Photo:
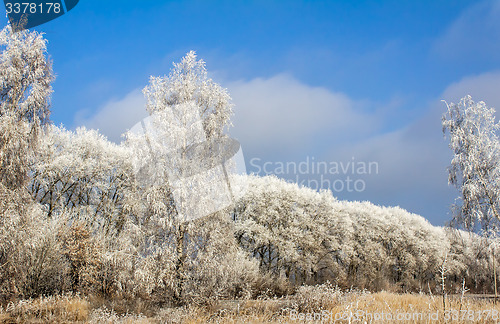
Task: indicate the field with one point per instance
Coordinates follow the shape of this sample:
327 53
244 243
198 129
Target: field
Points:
310 305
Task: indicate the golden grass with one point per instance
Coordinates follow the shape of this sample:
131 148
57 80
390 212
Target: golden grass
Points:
384 307
55 309
360 307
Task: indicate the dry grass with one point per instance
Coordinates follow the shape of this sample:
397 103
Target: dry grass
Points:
54 309
384 307
357 306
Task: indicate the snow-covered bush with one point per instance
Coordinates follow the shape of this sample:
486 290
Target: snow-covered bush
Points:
32 262
218 267
314 299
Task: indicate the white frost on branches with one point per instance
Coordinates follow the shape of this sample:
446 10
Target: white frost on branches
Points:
308 236
475 167
25 89
81 173
92 225
188 81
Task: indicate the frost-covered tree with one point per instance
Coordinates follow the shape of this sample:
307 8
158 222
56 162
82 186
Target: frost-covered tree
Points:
187 110
29 261
25 89
177 155
391 246
311 237
469 258
86 184
84 174
289 229
475 167
188 81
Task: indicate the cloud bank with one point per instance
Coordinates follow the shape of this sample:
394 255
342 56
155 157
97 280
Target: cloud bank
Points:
117 116
280 116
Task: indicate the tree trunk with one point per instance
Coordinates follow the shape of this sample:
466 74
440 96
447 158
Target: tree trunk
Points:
179 267
495 274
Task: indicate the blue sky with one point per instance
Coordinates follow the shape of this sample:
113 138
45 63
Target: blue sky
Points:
331 80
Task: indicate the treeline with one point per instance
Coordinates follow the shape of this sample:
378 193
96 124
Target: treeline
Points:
309 238
92 228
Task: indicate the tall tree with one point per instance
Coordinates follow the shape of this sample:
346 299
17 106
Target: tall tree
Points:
187 109
27 242
25 89
475 167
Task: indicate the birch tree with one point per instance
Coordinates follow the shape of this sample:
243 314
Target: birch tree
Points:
28 259
475 167
188 81
25 89
177 151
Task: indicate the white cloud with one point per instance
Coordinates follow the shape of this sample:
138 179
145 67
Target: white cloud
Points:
283 115
117 116
275 114
484 87
412 167
475 34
